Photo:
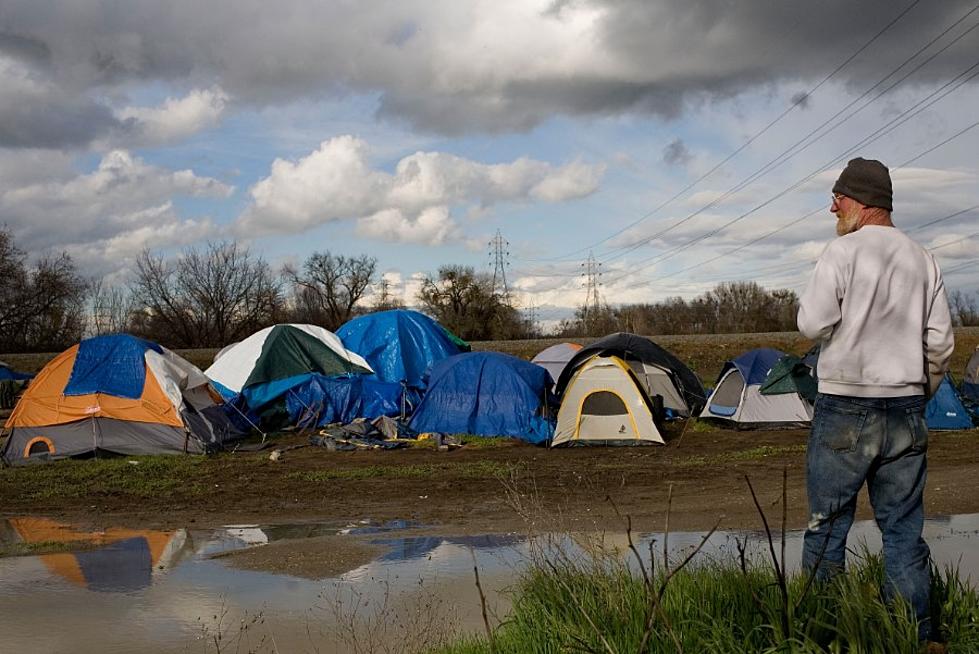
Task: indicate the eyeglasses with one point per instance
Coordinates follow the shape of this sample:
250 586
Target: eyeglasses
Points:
837 197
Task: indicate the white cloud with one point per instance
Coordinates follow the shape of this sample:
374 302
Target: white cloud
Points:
105 216
414 204
175 119
433 226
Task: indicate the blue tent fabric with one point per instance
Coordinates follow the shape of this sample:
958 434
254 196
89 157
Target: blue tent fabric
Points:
486 394
8 374
755 364
326 400
112 364
400 345
945 409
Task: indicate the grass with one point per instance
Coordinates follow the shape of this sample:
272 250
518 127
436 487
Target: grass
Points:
602 605
752 454
474 470
151 476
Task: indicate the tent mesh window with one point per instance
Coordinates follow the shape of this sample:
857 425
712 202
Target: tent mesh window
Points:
38 447
728 394
603 403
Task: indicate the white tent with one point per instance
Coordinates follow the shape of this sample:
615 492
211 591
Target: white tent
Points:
605 404
555 358
738 398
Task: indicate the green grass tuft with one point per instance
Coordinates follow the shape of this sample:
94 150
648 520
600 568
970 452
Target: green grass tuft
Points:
151 476
752 454
602 605
474 470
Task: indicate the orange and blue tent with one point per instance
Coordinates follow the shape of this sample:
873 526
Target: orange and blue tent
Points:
117 394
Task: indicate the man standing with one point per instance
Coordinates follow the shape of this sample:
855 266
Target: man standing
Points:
876 302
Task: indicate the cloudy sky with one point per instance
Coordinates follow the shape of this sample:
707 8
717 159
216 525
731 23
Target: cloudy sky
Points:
681 142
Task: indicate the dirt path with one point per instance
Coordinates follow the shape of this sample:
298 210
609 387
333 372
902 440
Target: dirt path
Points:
498 489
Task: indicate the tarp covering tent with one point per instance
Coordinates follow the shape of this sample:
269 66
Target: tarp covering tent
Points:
737 396
790 374
660 372
9 374
270 362
487 394
400 345
108 560
118 394
323 400
970 383
556 357
11 383
604 404
945 410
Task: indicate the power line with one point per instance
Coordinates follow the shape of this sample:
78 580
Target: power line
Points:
752 139
788 153
870 139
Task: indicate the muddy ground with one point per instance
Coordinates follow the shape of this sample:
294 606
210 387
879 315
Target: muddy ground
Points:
511 488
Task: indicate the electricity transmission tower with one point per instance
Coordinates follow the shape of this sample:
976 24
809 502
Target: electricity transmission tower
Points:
592 273
501 261
532 316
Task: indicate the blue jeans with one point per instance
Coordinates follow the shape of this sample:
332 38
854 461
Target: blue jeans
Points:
882 441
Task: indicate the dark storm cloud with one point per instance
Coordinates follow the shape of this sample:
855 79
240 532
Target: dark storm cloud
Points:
38 114
453 68
30 50
676 153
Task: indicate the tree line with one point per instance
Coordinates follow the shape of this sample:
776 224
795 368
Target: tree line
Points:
219 293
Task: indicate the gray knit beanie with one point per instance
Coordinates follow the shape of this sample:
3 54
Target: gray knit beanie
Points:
868 182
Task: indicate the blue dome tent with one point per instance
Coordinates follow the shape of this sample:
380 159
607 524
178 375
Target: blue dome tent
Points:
400 345
487 394
945 409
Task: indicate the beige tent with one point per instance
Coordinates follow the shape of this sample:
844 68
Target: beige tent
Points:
605 404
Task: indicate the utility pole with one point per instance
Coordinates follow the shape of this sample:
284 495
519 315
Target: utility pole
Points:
500 254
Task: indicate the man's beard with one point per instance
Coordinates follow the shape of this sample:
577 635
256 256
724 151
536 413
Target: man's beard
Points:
847 223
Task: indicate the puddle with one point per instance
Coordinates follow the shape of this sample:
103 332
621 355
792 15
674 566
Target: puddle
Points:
129 590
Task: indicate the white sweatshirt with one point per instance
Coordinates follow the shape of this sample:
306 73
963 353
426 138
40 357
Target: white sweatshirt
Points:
877 302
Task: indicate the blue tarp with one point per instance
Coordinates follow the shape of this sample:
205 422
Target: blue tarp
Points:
114 365
755 364
487 394
7 374
400 345
945 410
323 400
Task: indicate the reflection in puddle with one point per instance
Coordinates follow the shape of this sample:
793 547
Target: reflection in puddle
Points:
151 591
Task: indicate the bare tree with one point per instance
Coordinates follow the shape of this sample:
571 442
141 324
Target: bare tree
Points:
41 304
963 307
205 297
112 309
329 287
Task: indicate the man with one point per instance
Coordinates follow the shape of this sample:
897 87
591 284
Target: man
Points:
877 304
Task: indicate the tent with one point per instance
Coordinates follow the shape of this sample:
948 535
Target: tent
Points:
9 374
400 345
658 370
604 404
118 394
556 357
970 384
737 397
108 560
487 394
11 383
270 362
320 400
945 410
